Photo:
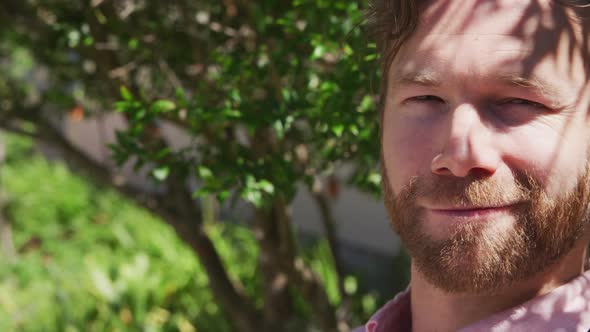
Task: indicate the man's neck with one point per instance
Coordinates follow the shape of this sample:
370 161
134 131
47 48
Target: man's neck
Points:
436 310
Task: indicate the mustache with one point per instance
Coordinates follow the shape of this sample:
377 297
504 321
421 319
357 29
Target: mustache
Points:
471 190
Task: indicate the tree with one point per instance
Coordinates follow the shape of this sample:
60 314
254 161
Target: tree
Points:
7 249
274 93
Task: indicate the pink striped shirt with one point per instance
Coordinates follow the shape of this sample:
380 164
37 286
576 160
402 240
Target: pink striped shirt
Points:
566 308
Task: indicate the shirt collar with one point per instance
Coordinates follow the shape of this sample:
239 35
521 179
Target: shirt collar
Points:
567 304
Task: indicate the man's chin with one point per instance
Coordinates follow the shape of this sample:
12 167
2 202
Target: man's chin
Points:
465 272
466 256
444 229
462 277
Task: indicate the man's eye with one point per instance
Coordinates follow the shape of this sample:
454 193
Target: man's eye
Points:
523 102
426 98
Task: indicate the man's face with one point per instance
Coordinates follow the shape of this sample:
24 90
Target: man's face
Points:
485 141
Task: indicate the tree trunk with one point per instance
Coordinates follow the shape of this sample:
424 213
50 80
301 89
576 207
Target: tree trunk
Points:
187 224
281 257
6 244
277 299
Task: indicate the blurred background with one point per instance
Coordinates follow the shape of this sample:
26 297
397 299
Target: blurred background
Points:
191 166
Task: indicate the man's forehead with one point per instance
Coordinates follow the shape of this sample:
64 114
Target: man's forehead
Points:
520 38
524 19
452 15
469 20
490 53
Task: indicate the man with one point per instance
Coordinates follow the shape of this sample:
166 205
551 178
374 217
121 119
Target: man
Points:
485 147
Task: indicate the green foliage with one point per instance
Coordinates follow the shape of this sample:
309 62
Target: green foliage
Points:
279 91
91 261
302 92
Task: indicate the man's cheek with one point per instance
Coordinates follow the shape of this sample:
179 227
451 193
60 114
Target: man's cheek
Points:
556 161
405 161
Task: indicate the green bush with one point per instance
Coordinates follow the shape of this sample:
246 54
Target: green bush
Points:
91 261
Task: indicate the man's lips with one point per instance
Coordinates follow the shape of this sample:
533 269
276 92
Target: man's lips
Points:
462 212
469 213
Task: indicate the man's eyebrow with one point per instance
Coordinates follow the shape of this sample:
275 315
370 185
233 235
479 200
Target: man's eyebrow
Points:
430 78
424 78
536 83
539 86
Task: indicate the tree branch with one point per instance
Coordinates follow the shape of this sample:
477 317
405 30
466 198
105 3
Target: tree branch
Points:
11 128
329 224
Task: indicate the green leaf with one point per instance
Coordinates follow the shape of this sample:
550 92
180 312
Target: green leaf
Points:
348 50
163 153
369 303
201 192
230 113
73 38
279 129
204 172
366 104
161 173
266 186
133 43
126 94
287 94
253 196
163 106
121 106
374 178
371 57
318 52
350 285
88 41
338 129
222 196
253 190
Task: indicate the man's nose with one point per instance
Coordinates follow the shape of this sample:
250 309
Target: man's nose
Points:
467 145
